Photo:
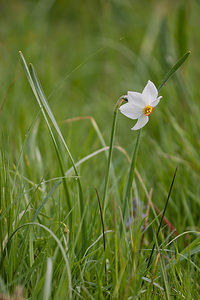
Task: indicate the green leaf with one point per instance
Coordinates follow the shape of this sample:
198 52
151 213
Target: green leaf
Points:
174 69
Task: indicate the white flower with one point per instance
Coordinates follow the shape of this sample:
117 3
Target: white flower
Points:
141 105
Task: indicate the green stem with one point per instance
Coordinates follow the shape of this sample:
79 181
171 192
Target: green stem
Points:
110 151
131 176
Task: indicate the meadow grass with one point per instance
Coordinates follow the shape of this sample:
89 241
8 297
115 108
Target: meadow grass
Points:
70 165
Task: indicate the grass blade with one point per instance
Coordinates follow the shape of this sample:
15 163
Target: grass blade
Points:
110 151
58 243
169 194
131 176
40 97
174 69
102 223
48 279
51 116
49 128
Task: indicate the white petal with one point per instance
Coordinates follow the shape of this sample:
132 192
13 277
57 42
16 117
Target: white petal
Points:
136 98
130 110
141 122
155 102
149 93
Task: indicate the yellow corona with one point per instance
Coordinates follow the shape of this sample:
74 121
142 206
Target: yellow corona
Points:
148 110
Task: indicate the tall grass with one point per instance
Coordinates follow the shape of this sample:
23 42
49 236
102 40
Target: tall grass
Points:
69 164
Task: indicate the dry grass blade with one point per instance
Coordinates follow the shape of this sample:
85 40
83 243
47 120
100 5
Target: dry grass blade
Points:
18 295
166 221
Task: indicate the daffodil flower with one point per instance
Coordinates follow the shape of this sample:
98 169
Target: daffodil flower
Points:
140 105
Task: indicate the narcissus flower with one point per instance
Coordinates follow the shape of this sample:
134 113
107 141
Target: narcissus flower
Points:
140 105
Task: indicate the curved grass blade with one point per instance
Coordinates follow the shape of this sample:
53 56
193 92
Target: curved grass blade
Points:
57 241
50 130
67 173
51 116
100 136
43 104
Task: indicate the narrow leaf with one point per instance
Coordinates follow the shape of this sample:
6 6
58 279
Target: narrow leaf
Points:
174 69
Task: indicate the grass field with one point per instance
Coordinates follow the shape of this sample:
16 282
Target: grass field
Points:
77 219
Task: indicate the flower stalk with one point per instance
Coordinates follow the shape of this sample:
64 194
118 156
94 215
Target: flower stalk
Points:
131 176
119 102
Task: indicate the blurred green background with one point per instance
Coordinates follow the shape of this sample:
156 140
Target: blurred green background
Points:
89 53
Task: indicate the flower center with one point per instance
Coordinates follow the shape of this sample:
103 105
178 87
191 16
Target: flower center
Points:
148 110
